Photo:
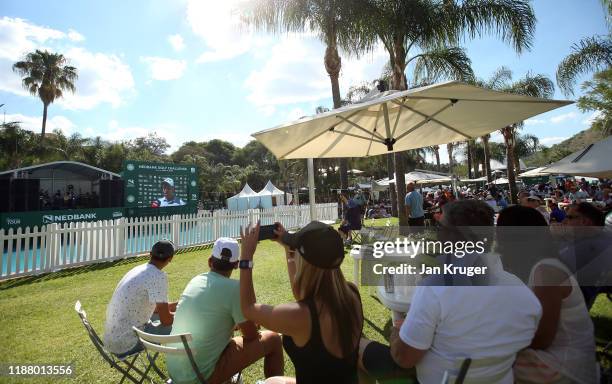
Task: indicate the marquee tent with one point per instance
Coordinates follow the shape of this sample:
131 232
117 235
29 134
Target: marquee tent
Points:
270 196
246 199
536 172
593 161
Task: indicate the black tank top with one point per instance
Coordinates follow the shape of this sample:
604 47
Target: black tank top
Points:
313 362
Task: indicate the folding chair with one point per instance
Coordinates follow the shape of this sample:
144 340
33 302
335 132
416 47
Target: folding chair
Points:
126 365
156 344
459 374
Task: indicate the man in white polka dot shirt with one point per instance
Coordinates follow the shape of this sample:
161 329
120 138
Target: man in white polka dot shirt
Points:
140 300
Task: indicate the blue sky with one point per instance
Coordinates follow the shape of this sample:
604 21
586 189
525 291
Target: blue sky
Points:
187 70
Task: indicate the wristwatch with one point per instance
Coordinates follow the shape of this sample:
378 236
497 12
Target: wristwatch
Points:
245 264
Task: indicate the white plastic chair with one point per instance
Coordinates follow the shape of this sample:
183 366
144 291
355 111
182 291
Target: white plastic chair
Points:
157 344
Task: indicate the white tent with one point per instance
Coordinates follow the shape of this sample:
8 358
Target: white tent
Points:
503 180
594 161
270 196
418 177
499 166
246 199
536 172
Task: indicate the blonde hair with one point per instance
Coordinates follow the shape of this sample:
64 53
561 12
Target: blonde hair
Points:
331 290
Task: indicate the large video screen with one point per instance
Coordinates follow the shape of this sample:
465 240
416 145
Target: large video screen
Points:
160 185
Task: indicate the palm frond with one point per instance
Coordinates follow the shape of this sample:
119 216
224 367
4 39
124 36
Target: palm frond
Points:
590 54
442 63
511 20
499 79
533 85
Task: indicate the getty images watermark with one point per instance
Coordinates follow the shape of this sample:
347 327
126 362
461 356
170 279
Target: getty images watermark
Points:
410 249
481 255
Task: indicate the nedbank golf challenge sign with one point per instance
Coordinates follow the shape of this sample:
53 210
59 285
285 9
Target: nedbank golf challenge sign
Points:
159 188
31 219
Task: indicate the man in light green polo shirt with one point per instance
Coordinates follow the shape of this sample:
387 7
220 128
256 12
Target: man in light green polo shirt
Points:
209 309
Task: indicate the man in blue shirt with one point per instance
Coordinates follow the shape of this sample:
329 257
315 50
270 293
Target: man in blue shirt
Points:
414 206
556 215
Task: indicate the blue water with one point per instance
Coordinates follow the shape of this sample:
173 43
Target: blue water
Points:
135 243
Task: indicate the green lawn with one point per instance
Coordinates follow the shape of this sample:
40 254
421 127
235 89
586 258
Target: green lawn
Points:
38 323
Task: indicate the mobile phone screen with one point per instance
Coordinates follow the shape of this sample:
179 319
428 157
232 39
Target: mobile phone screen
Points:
266 232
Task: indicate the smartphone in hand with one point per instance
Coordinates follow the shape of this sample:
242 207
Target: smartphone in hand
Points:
266 232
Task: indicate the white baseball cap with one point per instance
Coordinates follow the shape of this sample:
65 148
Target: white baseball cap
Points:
226 249
168 181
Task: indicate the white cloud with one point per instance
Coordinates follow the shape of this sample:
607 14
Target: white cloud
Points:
34 123
75 36
561 118
294 73
534 121
548 141
218 24
177 42
162 68
103 78
18 37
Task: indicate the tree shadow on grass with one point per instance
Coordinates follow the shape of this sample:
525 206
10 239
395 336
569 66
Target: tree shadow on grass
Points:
69 272
385 331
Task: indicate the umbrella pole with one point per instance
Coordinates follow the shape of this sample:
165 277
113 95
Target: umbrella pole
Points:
311 189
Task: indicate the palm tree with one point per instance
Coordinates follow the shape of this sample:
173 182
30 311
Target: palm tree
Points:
588 55
331 19
498 81
434 150
531 85
46 74
451 160
487 156
434 28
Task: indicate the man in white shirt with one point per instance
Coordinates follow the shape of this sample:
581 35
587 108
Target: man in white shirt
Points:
140 299
447 324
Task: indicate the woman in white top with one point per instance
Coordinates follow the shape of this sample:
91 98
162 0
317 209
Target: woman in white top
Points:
563 348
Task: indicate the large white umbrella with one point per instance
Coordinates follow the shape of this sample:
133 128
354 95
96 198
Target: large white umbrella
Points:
594 161
398 121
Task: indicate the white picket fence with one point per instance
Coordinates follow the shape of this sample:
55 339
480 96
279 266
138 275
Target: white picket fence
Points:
30 251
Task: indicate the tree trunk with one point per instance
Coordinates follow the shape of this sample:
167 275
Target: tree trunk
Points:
399 83
517 163
44 122
469 158
487 157
509 141
437 153
333 64
392 194
449 148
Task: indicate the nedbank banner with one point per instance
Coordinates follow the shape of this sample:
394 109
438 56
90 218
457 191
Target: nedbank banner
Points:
39 218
